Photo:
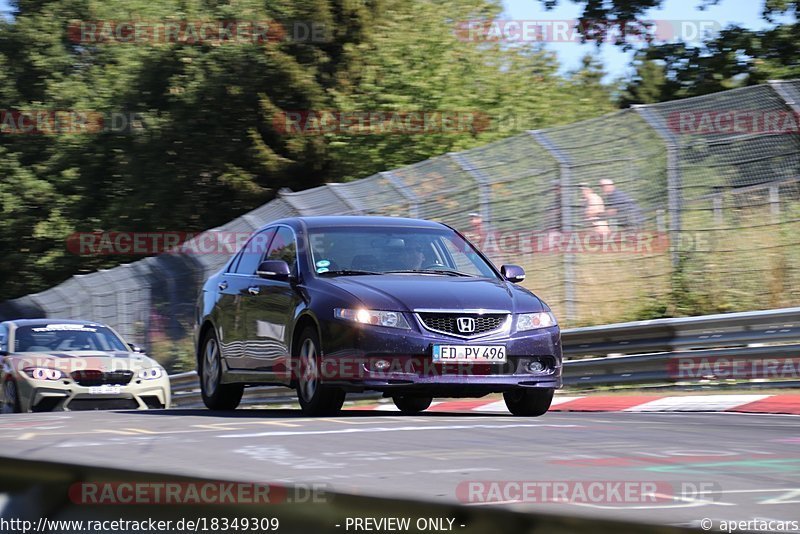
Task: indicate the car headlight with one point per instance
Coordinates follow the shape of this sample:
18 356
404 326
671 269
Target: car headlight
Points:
151 374
43 373
380 318
532 321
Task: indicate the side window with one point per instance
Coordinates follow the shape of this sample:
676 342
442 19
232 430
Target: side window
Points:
3 337
283 247
234 262
253 251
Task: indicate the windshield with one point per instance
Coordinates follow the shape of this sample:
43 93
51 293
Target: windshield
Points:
349 250
66 338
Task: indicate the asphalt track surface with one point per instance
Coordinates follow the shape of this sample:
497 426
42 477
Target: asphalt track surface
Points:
721 466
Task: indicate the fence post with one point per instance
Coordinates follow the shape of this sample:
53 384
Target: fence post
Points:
775 203
484 187
674 178
791 97
787 94
717 203
567 220
397 184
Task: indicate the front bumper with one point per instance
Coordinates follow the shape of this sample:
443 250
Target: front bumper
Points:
68 395
353 352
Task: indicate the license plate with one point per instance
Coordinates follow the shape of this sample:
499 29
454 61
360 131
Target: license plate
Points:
469 353
105 390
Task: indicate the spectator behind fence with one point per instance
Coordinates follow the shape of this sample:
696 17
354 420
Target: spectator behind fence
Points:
594 211
620 206
477 231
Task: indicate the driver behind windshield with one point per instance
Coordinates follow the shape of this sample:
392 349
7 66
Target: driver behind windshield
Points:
413 256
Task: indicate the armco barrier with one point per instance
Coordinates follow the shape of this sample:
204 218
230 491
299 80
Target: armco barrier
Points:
686 333
642 352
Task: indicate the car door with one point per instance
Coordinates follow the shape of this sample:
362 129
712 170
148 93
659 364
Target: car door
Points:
270 306
233 289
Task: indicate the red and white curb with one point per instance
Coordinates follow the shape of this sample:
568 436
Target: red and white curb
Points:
779 404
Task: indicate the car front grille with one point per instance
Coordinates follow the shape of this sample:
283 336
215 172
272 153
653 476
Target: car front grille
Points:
94 377
447 322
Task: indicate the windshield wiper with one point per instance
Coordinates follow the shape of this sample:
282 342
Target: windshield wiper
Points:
347 272
448 272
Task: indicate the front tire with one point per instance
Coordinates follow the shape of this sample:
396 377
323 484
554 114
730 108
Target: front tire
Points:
11 402
216 395
528 402
412 405
316 399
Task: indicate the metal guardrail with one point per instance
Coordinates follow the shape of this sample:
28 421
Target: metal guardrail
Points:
642 369
666 335
641 352
646 352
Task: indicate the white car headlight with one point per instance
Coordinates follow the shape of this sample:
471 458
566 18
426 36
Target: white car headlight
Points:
43 373
151 374
532 321
379 318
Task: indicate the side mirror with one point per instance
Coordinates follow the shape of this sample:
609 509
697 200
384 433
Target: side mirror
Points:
135 348
513 273
274 270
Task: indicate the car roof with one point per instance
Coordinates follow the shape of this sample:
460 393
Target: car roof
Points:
324 221
48 320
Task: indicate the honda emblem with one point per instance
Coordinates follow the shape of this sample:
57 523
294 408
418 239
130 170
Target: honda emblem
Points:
465 325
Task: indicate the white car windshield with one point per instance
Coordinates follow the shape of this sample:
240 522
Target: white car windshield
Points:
66 337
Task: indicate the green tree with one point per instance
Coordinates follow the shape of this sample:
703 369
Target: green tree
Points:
647 86
735 57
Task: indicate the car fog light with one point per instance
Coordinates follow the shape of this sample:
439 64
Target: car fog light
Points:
535 366
381 365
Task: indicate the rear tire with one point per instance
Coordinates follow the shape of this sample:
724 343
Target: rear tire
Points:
412 405
11 402
316 399
216 395
528 402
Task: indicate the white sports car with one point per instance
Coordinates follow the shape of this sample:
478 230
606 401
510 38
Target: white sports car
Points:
56 365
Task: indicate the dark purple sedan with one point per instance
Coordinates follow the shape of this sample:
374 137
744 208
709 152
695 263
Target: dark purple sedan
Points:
406 307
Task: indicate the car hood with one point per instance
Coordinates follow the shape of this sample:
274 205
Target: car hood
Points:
412 292
82 360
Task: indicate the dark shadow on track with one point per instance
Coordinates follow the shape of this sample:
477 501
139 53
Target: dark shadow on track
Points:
288 413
